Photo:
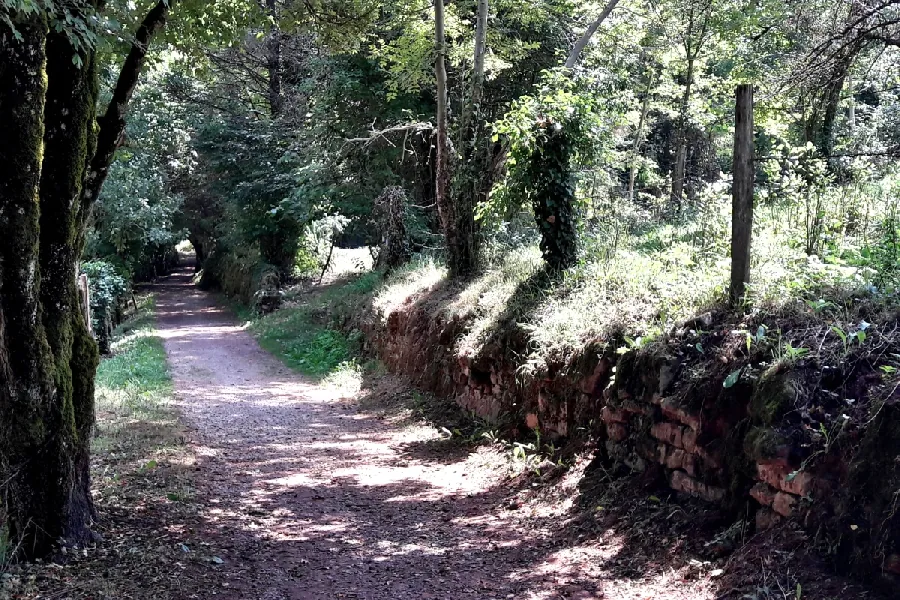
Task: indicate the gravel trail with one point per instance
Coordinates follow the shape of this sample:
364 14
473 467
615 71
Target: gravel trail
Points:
307 496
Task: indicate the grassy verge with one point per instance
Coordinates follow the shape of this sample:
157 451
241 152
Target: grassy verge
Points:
302 336
134 392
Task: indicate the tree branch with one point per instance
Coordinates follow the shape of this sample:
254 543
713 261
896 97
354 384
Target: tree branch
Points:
112 123
580 45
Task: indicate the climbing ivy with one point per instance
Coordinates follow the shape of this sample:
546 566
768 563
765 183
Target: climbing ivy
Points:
548 133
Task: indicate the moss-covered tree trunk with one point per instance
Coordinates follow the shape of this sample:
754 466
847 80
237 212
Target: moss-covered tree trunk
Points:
553 201
47 359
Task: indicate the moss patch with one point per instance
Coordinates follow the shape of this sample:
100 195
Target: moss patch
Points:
775 395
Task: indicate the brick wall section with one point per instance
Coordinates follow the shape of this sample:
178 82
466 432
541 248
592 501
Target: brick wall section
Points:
647 410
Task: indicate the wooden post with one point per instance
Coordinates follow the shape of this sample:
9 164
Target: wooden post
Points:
742 192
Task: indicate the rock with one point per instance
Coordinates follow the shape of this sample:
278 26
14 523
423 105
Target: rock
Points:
672 410
783 478
666 377
616 431
682 482
766 519
613 415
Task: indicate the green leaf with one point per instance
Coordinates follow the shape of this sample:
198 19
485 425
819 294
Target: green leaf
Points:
732 378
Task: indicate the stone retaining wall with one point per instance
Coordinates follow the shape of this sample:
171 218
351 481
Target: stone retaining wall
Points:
656 408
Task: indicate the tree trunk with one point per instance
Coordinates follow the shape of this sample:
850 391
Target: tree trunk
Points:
458 222
442 175
638 139
47 359
582 42
274 61
47 356
553 202
477 89
680 167
742 192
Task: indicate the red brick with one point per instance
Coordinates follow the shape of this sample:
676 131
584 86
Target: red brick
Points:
672 410
763 493
784 504
669 433
613 415
589 384
892 564
676 458
713 457
682 482
689 440
616 431
776 475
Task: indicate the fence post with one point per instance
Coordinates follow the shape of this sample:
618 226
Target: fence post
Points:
742 192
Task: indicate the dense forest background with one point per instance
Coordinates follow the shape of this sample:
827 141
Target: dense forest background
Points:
265 148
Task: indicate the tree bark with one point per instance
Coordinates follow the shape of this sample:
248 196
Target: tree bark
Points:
442 175
680 168
477 88
638 139
458 222
112 123
274 63
43 431
47 356
742 193
582 42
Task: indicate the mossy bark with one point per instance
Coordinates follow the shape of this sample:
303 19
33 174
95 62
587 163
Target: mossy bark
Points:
553 201
47 358
25 358
69 140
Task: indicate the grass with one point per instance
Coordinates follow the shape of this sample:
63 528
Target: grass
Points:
134 391
141 475
647 277
302 337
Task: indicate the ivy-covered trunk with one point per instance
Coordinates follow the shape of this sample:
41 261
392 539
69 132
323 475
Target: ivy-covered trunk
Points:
47 359
553 200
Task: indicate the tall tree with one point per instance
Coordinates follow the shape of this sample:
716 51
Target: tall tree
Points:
442 152
52 165
696 34
581 44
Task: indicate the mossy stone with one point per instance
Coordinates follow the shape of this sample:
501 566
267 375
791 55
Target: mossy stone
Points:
775 394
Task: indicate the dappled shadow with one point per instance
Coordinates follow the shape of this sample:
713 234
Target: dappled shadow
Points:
298 493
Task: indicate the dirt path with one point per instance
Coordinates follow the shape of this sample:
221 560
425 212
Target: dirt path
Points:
307 496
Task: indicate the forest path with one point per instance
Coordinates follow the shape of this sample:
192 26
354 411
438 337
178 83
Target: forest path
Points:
306 496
